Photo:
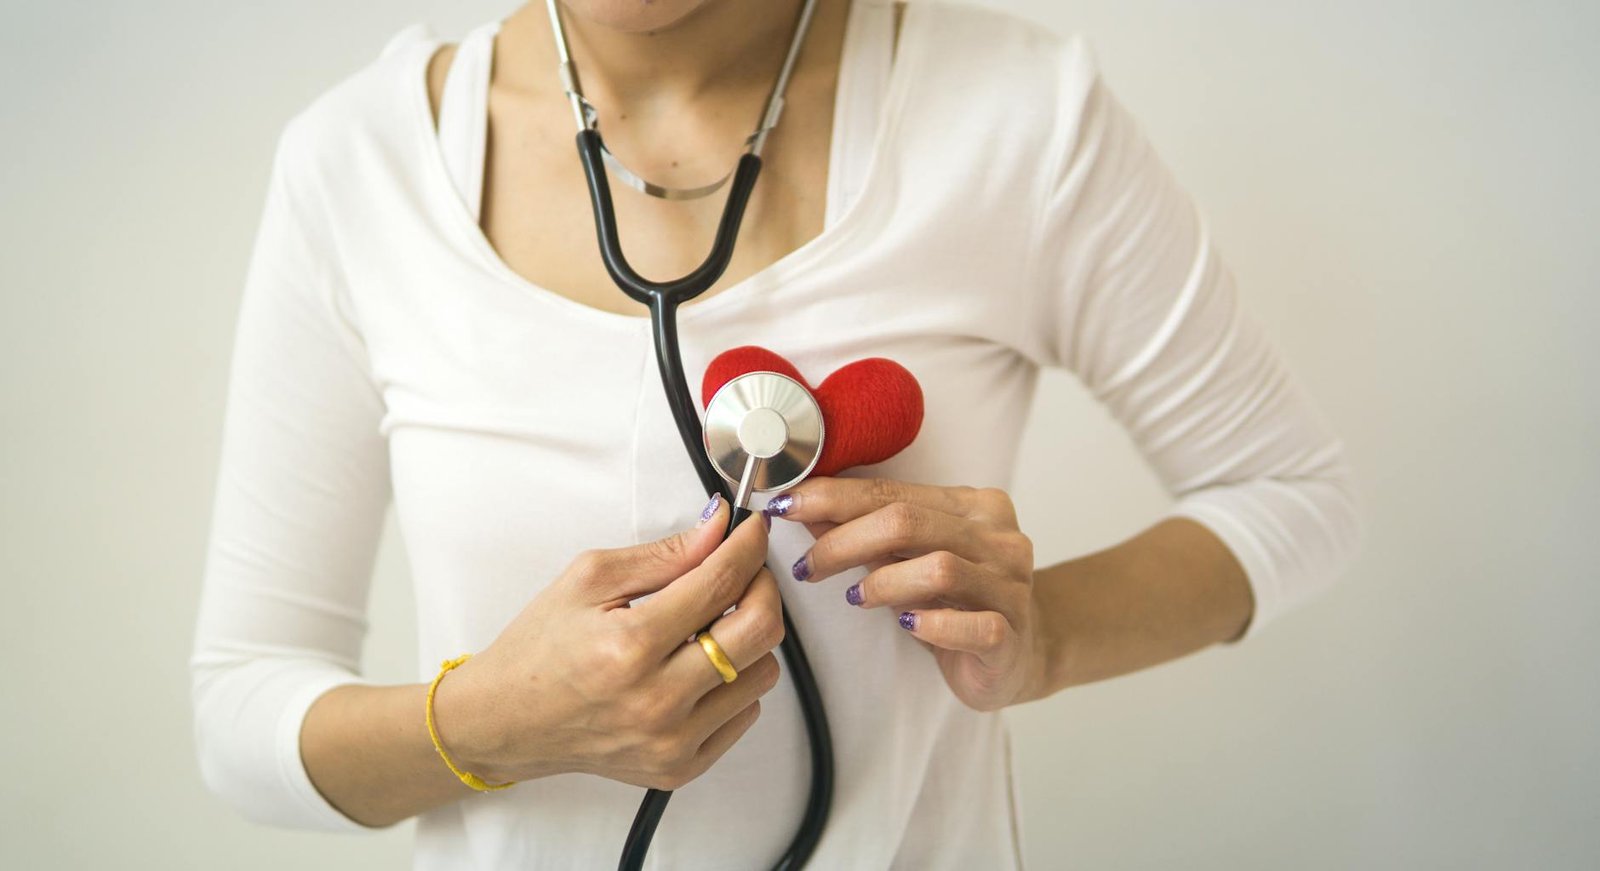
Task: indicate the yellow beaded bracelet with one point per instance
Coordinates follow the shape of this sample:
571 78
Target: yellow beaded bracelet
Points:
467 777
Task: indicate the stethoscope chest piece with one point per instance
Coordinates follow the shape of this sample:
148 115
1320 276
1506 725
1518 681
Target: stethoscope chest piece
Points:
763 431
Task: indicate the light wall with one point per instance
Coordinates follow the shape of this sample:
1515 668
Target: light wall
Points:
1406 191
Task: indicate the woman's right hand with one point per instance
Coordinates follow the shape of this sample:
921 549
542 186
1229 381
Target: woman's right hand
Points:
581 682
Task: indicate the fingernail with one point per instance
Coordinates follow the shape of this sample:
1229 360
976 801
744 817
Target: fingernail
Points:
779 505
711 507
908 621
767 520
802 567
853 594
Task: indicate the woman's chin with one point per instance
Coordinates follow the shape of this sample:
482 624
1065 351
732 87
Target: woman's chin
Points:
634 16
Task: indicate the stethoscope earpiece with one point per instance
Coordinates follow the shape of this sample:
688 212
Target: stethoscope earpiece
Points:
763 431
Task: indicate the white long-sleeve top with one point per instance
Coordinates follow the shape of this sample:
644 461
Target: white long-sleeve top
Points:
992 209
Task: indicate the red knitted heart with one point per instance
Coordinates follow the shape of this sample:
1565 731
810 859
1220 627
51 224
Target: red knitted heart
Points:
871 409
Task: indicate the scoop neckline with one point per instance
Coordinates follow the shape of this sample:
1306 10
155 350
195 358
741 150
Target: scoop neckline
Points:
770 276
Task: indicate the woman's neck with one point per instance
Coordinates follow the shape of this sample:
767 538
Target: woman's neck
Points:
722 49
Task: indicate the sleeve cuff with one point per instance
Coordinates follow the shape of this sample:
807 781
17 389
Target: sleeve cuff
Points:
1265 588
315 811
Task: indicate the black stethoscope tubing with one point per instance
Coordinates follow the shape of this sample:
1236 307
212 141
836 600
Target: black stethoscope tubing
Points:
663 298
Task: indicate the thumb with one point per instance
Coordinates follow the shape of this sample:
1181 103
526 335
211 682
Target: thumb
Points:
620 575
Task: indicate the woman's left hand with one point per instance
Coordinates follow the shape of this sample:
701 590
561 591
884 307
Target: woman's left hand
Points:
950 560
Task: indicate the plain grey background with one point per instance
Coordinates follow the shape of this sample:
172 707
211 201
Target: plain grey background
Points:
1405 190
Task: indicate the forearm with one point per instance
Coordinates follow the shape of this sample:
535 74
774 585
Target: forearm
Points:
1170 590
367 751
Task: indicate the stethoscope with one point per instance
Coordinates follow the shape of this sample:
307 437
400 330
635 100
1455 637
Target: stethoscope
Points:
763 430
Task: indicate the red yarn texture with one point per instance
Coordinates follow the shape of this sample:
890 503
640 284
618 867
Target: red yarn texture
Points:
871 408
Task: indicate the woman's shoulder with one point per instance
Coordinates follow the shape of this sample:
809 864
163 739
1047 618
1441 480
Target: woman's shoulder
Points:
370 110
961 29
1006 68
1005 86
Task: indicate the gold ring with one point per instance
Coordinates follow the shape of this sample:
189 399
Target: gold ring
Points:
719 660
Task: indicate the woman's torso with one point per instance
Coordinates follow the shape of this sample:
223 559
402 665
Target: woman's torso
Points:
524 426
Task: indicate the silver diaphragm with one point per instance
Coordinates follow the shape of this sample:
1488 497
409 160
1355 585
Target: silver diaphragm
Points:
765 426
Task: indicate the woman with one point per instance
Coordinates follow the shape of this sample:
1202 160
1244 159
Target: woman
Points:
426 318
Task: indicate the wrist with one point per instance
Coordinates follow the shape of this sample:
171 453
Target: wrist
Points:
466 730
1042 655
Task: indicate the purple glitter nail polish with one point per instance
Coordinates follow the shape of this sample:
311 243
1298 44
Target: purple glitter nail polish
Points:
779 505
853 595
766 520
711 507
802 567
908 621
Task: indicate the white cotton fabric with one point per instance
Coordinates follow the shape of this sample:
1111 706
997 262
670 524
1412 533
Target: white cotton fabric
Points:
992 209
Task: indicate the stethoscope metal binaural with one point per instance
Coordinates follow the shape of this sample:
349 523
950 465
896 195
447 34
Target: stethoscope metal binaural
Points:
763 430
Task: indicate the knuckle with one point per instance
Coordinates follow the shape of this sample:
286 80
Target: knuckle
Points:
992 631
619 657
882 490
681 758
670 754
900 522
670 549
766 628
997 501
994 495
1017 548
588 564
727 579
1025 550
944 571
